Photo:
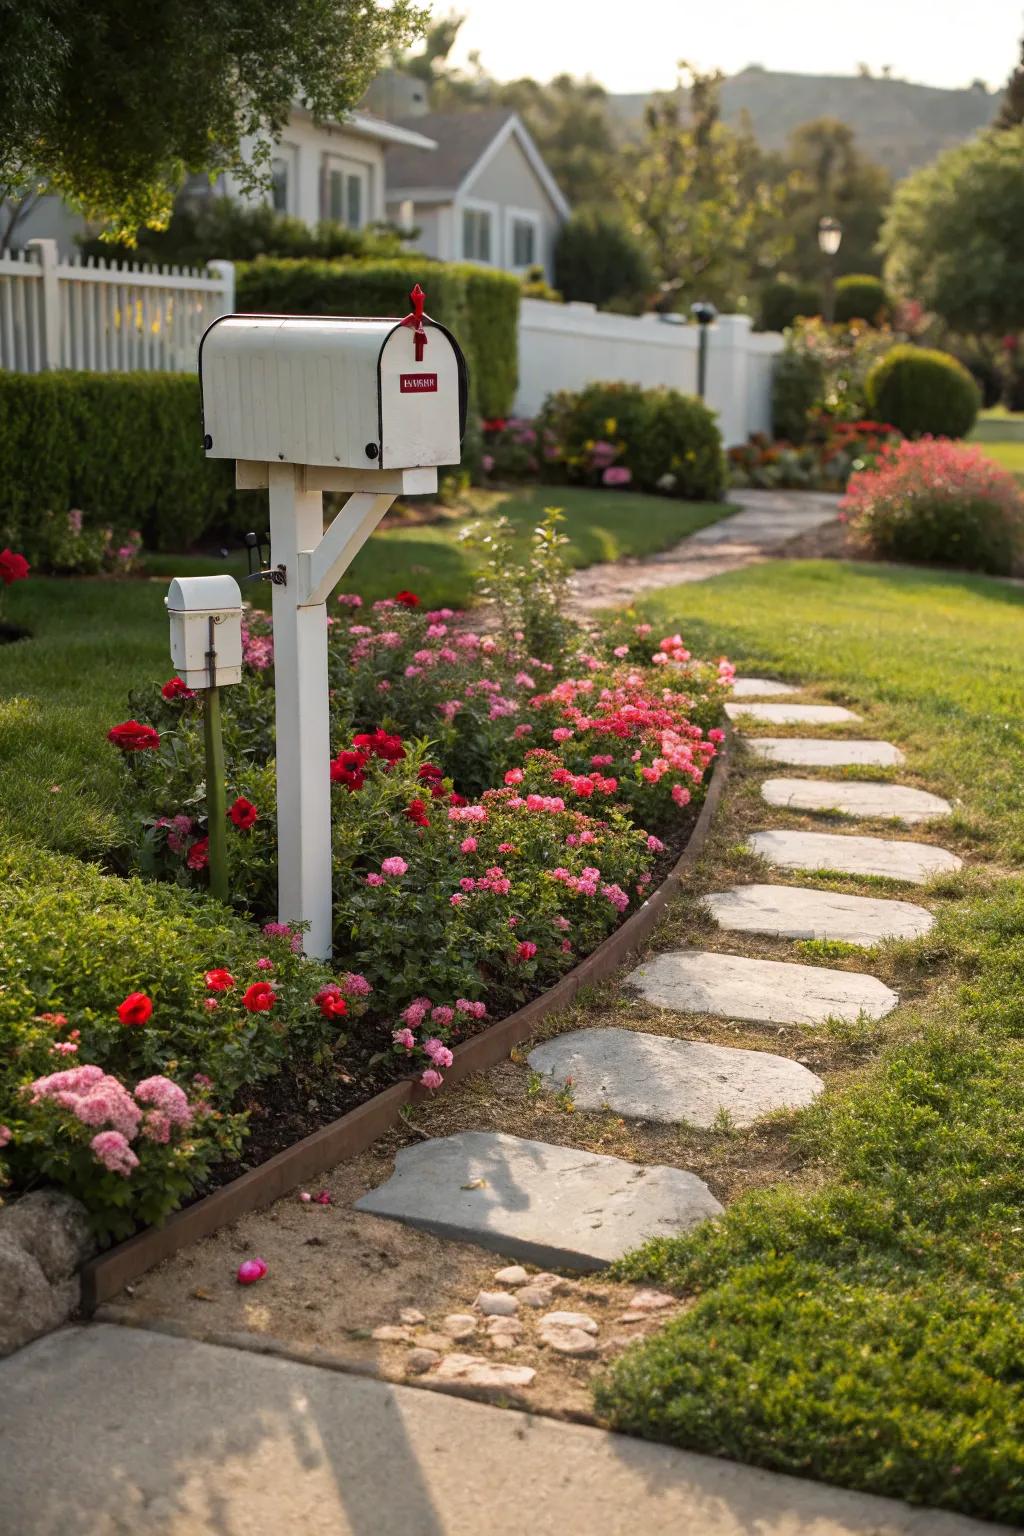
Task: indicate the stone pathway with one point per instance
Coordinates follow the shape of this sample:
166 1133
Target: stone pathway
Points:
792 714
763 991
791 912
766 522
800 753
846 854
896 802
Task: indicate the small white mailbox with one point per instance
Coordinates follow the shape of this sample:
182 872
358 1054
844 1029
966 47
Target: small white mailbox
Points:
336 392
206 615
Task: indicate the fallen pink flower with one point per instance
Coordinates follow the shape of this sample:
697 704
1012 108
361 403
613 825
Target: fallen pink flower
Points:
251 1270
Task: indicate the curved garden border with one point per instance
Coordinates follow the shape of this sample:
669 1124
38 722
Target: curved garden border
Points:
104 1276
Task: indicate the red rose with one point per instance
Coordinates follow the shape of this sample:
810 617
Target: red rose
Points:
219 981
407 599
259 998
243 813
416 811
432 776
525 950
331 1003
380 744
137 1008
454 799
199 854
176 689
347 768
15 567
134 737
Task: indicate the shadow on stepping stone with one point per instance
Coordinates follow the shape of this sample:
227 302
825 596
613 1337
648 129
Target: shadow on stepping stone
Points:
795 912
809 752
850 854
895 801
675 1082
764 991
547 1204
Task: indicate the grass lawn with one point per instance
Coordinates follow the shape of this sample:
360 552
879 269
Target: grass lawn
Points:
1008 453
432 559
96 640
862 1321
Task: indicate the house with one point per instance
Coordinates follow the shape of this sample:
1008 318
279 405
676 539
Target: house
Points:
483 194
333 171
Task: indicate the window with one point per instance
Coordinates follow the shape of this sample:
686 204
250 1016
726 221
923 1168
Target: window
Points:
346 187
476 234
279 184
524 243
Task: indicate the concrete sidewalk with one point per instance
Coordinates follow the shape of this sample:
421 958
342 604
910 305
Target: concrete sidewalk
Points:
110 1431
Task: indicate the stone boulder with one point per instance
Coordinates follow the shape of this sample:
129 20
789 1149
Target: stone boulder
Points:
44 1237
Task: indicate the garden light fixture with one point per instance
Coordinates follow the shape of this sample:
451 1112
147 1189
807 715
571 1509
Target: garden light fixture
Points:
830 237
705 313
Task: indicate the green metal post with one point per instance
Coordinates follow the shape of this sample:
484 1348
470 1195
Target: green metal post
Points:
216 799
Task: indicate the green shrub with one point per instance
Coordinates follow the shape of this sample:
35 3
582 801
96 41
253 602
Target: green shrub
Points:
798 382
666 441
126 448
598 260
479 307
921 391
859 296
782 301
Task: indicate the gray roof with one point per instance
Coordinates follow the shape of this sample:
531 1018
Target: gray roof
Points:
461 139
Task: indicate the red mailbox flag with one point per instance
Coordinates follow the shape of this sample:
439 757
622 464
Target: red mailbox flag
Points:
417 298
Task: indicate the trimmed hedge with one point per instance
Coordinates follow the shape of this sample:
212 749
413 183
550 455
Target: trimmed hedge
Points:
859 296
923 391
670 442
782 302
480 307
124 447
798 381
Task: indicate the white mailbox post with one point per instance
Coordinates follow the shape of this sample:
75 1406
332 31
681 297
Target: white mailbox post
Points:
307 405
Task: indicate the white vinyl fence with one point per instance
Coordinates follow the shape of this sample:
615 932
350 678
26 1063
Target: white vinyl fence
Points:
565 346
104 316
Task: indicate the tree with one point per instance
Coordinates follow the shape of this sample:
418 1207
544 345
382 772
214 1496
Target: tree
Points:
698 193
115 102
1011 112
827 174
599 260
954 235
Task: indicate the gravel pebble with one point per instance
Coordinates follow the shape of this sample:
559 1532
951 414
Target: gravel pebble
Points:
568 1320
419 1360
568 1341
479 1372
459 1325
513 1274
496 1304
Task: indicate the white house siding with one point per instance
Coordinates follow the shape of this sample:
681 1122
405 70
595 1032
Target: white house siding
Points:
304 146
508 183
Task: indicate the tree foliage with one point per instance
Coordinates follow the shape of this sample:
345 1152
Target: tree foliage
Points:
698 194
826 174
954 235
600 261
114 102
1011 111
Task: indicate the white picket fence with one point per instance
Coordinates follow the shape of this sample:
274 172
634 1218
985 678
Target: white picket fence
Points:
105 316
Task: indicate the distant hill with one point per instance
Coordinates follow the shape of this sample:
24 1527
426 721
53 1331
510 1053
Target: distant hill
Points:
900 125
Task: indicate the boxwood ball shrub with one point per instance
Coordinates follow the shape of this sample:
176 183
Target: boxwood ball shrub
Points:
782 302
620 434
859 296
940 502
922 391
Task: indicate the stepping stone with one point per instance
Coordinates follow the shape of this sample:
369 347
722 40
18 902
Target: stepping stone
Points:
896 801
765 991
915 863
807 752
760 688
546 1204
676 1082
792 714
793 912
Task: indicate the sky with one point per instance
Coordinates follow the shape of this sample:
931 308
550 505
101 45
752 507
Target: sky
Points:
633 45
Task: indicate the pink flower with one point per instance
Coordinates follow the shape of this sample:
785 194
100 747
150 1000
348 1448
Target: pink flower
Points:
405 1038
562 733
210 1003
431 1079
304 1195
394 866
64 1048
112 1150
440 1055
522 730
616 474
620 651
373 879
468 845
356 985
525 950
456 899
442 1016
166 1095
416 1011
5 1135
350 600
251 1270
472 1010
263 964
655 844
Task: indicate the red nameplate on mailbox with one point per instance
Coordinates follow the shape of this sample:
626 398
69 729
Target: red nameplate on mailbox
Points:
418 383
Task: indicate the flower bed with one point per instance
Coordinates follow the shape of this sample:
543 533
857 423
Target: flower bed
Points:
495 814
834 451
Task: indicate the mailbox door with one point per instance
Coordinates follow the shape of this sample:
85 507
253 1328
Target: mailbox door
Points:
422 404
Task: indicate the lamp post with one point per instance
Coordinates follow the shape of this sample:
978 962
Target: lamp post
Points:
830 237
704 312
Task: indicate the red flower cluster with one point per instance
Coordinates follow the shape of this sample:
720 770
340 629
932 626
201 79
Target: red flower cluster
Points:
331 1003
137 1008
15 567
259 998
176 689
132 736
243 813
433 778
416 811
219 980
198 855
380 744
407 599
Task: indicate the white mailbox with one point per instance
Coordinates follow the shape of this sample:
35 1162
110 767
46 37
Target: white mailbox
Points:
337 392
206 615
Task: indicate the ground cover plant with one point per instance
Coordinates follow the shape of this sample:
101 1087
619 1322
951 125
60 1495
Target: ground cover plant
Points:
862 1322
497 808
